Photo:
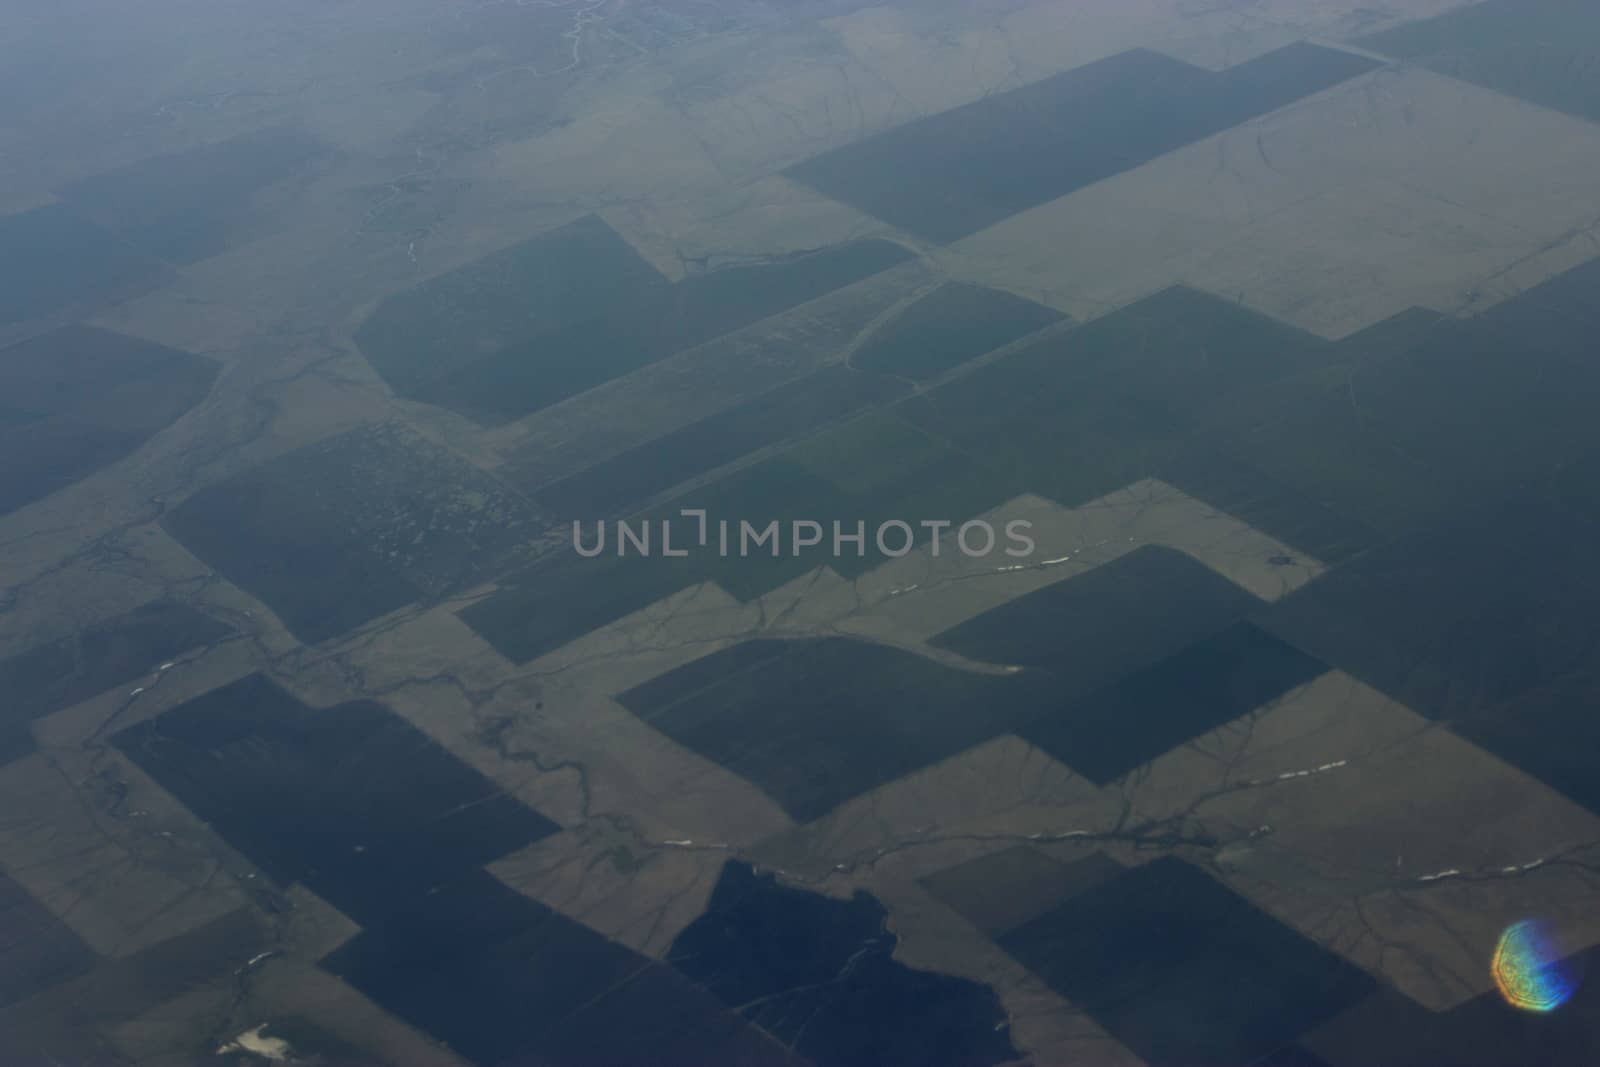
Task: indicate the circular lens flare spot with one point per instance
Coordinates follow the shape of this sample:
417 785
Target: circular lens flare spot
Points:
1529 971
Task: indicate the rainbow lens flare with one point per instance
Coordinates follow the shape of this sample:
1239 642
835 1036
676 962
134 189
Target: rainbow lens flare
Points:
1529 971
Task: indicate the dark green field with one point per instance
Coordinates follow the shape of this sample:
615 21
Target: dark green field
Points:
80 399
1545 51
338 533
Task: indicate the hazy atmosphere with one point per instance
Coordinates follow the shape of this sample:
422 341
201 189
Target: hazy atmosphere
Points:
810 533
